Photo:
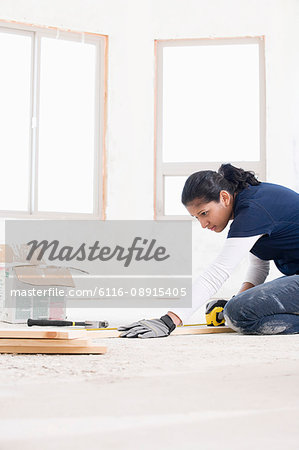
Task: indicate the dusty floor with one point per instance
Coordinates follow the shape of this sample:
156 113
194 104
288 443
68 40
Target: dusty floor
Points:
209 391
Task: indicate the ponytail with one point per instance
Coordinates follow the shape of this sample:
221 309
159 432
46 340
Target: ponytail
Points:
207 184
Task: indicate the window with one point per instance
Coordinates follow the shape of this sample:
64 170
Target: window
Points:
52 112
210 109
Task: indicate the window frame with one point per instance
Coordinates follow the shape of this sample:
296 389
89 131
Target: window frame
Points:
163 169
100 111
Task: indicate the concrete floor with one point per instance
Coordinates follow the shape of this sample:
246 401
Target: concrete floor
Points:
209 391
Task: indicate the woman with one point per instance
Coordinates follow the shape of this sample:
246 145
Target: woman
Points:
265 225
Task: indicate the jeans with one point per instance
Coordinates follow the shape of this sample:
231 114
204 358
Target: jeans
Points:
269 308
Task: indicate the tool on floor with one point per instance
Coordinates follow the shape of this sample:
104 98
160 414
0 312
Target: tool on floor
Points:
214 313
67 323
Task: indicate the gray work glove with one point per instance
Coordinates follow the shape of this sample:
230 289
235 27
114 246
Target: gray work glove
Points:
148 328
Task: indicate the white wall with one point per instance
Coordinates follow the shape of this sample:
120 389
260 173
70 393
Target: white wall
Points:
132 26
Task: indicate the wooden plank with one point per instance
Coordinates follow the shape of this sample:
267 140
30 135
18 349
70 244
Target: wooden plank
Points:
45 342
201 330
185 330
89 350
47 333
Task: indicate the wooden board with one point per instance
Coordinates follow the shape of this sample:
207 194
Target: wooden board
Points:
41 333
201 330
90 350
45 342
185 330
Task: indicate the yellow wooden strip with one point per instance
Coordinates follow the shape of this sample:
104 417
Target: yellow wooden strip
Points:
89 350
185 330
201 330
98 334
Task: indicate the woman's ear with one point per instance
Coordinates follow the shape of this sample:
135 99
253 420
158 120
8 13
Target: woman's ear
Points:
225 197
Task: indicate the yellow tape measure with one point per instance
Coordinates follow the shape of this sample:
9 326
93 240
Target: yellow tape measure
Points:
213 317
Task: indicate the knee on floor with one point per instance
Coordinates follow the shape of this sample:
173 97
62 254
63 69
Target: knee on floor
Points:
234 315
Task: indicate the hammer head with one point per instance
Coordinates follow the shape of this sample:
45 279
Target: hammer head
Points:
101 324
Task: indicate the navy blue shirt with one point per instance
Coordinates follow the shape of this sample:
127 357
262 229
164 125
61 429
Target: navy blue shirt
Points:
272 210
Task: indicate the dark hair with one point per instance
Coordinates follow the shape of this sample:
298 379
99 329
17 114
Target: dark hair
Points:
207 184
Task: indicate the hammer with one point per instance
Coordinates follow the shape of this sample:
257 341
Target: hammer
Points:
67 323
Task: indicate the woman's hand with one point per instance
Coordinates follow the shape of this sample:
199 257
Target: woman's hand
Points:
176 320
148 328
245 286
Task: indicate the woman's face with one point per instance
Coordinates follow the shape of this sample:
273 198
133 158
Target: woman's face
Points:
213 215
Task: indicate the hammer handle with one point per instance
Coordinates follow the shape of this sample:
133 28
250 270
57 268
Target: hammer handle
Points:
53 323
